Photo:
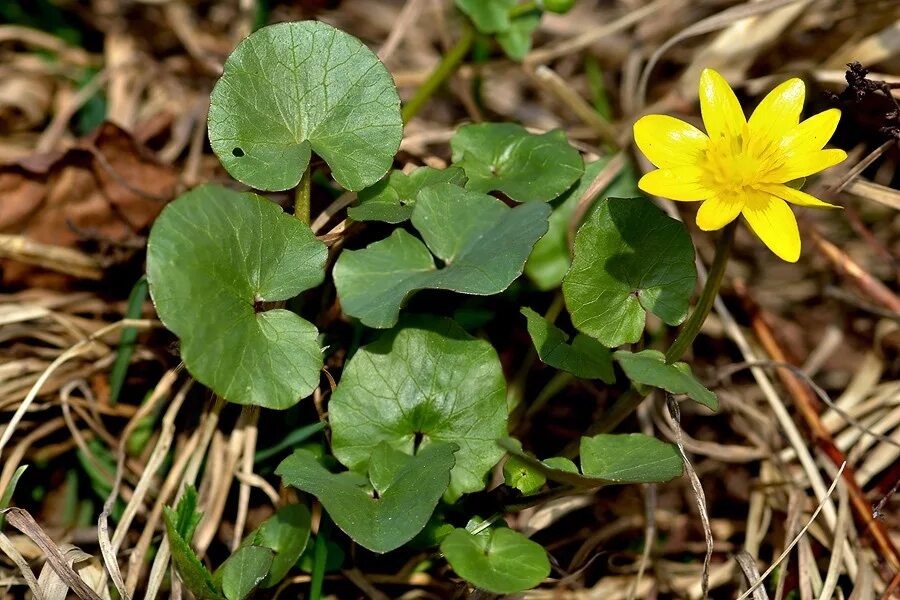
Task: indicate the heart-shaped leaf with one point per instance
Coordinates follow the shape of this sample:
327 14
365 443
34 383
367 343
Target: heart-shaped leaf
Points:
286 533
550 260
585 357
629 258
498 560
392 199
629 458
393 518
428 381
516 41
482 242
212 256
504 157
649 367
295 88
489 16
244 570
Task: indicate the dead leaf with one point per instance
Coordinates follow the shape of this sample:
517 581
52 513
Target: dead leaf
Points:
105 189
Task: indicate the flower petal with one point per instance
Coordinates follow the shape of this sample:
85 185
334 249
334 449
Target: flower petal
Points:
778 113
811 134
669 142
722 113
771 219
795 166
797 197
677 183
719 211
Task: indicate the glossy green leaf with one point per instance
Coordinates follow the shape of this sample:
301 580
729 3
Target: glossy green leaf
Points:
286 533
649 367
498 560
392 199
244 570
629 458
482 242
629 258
516 41
489 16
428 380
585 357
213 254
291 89
180 526
504 157
550 260
393 518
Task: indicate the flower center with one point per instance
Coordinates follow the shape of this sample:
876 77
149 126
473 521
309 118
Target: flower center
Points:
735 163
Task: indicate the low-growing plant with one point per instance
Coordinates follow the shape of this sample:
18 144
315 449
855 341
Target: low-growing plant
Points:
422 412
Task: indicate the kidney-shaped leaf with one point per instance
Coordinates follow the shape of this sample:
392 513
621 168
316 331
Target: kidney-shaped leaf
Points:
212 256
392 199
649 367
585 357
498 560
285 533
482 242
295 88
393 518
630 257
504 157
428 380
629 458
550 259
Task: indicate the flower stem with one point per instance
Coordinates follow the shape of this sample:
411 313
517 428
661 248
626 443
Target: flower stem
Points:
444 69
301 197
707 296
523 9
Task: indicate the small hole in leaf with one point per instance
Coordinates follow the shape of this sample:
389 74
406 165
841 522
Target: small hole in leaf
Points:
238 152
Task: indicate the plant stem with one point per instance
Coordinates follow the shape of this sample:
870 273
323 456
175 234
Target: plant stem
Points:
302 196
444 69
707 296
320 558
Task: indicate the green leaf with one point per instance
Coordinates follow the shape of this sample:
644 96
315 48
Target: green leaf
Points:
392 199
6 498
428 380
482 242
334 557
629 258
585 357
521 475
286 533
498 560
213 254
549 261
516 41
649 367
629 458
180 525
294 88
489 16
384 465
243 571
393 518
561 463
504 157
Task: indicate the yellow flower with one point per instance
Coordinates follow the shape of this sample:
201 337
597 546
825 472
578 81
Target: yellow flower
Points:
742 167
